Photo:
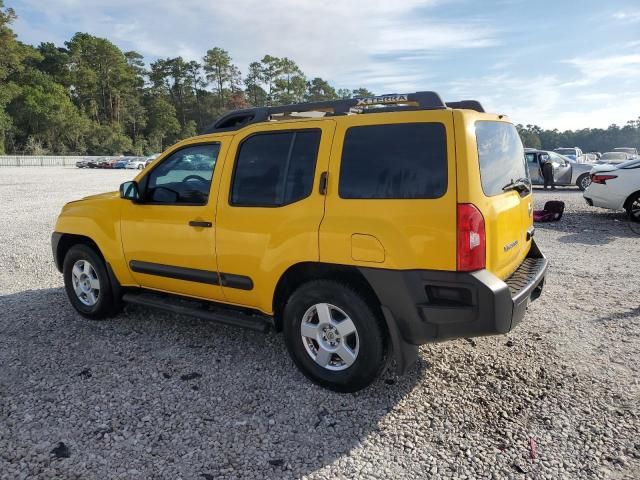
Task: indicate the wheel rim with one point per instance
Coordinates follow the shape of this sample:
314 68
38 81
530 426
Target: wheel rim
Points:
634 209
330 337
585 182
85 282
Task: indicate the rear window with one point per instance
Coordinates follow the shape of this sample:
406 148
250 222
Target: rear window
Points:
397 161
500 154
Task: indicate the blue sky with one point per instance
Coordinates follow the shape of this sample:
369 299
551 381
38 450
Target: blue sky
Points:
559 64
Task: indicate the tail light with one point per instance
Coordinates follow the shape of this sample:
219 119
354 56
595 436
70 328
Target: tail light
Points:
601 178
471 254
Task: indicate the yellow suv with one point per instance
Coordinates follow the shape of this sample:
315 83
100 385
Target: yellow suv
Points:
361 228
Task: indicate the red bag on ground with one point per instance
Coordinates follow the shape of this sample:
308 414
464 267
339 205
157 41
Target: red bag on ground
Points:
552 212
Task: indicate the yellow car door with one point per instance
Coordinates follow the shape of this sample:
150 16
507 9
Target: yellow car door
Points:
168 234
270 206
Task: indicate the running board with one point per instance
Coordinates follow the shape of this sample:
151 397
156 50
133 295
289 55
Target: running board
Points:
199 309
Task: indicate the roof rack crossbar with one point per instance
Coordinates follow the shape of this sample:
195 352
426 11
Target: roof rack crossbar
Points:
393 102
467 105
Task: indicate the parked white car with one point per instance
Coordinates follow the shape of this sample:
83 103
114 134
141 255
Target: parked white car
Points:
616 187
136 164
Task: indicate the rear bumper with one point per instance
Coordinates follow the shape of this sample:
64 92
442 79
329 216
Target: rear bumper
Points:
429 306
604 196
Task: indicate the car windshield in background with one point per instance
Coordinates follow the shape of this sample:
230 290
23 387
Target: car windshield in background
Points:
567 152
614 156
500 154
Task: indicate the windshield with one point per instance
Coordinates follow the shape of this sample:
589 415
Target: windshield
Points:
566 151
614 156
500 154
626 150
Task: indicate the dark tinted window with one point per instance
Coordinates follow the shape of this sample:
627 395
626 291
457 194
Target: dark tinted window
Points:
394 161
275 169
500 154
183 177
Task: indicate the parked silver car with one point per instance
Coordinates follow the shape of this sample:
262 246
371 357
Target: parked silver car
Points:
566 172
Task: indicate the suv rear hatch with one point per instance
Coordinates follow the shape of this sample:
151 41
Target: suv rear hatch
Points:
507 204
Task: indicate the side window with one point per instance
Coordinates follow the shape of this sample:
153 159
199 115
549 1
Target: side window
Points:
275 169
184 177
531 158
394 161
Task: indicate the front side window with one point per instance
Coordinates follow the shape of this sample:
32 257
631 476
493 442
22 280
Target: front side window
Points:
397 161
275 169
500 154
184 177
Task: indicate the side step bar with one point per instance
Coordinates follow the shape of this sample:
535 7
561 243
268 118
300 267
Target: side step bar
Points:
199 309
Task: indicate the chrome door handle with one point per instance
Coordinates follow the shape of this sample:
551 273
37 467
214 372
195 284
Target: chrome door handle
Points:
200 223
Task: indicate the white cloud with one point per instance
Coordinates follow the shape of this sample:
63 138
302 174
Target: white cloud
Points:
595 68
628 16
333 39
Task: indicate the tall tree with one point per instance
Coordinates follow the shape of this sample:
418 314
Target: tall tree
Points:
271 70
362 92
101 77
290 83
257 96
222 73
10 62
320 90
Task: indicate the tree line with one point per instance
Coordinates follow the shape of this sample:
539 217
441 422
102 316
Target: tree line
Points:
90 97
588 139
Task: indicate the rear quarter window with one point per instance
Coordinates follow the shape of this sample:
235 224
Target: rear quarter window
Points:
500 154
397 161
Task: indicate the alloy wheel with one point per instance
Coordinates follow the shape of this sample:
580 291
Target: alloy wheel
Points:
330 337
86 284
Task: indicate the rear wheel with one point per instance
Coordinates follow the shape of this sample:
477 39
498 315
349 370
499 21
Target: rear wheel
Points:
583 181
633 207
87 283
334 336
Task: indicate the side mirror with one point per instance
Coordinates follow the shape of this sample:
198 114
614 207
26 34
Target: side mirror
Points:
129 191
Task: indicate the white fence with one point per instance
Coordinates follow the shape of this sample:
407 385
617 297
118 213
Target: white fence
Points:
42 160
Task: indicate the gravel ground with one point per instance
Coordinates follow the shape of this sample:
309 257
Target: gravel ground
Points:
153 395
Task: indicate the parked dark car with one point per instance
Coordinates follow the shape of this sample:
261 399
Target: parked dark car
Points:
566 172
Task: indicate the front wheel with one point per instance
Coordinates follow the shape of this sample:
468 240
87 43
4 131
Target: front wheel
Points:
87 283
633 207
584 181
334 336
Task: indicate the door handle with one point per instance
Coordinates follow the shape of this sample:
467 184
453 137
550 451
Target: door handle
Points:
200 223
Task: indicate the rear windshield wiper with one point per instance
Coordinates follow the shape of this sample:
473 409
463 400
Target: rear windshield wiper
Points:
520 185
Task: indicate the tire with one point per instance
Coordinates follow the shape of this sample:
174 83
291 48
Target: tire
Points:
632 206
81 284
363 349
583 181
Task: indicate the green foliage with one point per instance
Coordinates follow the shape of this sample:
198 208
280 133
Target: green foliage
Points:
588 139
319 90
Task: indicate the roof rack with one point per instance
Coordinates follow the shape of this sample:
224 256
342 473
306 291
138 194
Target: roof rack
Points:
383 103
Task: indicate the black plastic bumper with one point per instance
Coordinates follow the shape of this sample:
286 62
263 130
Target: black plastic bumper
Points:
430 306
55 240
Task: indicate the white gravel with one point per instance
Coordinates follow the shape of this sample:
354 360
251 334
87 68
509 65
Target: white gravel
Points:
120 397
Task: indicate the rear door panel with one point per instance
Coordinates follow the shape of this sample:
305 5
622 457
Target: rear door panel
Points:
391 233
